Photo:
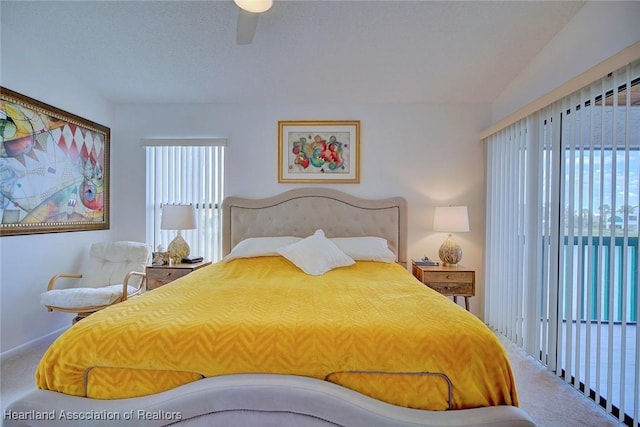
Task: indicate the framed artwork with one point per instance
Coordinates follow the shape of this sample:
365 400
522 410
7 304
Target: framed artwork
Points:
54 169
319 151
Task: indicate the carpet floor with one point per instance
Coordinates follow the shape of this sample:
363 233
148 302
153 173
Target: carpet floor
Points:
550 401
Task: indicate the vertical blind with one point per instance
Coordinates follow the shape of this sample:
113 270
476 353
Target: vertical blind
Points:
186 172
561 254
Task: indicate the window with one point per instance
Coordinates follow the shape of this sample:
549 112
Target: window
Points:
562 262
186 172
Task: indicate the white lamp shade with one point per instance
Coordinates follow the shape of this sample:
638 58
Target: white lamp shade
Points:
254 6
451 219
178 217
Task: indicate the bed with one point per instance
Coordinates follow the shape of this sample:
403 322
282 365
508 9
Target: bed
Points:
267 339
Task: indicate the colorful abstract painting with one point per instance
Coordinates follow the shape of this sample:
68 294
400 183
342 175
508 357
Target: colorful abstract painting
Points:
315 151
54 169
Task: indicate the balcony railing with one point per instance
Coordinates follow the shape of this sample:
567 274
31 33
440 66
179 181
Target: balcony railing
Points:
607 284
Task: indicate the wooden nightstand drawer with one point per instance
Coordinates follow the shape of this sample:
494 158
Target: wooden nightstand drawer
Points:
157 277
451 276
452 289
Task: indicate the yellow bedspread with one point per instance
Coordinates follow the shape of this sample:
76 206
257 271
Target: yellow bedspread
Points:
370 327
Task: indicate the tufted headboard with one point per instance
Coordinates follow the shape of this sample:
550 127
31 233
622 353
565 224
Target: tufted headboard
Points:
302 211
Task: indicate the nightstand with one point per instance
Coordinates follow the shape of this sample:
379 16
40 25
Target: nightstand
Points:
450 281
159 275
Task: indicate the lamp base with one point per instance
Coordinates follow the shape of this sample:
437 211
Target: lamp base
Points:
178 249
450 252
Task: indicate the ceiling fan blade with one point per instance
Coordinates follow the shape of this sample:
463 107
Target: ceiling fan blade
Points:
247 23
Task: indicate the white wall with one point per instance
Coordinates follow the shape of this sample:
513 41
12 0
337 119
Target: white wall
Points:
598 31
27 262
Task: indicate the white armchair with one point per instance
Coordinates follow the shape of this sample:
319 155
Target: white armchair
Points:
114 272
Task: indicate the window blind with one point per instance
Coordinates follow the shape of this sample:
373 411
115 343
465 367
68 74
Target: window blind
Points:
561 254
186 172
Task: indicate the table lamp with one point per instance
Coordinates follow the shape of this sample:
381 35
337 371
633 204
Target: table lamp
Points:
178 217
450 219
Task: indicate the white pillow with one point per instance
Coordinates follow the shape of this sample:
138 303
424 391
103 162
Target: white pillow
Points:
315 255
368 248
260 246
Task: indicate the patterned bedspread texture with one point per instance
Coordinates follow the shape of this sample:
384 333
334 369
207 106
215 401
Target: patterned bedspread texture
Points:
370 327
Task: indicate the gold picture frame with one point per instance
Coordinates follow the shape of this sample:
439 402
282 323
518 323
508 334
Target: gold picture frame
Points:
54 167
312 151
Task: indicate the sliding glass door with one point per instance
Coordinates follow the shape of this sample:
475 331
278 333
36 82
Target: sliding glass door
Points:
597 333
563 197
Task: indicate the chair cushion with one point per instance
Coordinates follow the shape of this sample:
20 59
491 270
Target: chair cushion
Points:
109 263
83 297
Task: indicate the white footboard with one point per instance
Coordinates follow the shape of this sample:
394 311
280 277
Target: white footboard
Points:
246 400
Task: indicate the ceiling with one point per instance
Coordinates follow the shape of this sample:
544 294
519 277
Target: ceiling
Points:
303 51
